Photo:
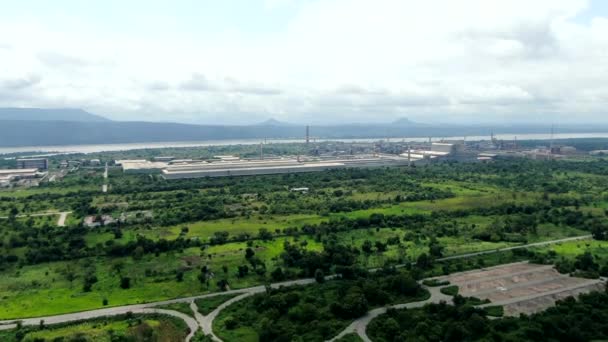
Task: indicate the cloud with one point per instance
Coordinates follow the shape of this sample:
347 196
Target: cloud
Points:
319 61
20 83
197 82
229 85
55 59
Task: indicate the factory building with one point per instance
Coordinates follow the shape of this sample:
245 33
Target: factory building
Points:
277 166
164 158
10 176
33 163
438 151
141 166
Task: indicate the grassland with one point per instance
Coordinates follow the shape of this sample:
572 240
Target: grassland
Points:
206 305
137 328
453 202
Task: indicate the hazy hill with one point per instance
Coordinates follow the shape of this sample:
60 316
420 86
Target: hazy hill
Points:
58 114
41 133
273 122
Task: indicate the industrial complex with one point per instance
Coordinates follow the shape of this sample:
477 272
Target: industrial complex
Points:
376 155
234 166
265 167
11 177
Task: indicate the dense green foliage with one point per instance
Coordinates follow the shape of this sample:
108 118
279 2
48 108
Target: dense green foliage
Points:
315 313
122 328
582 319
187 237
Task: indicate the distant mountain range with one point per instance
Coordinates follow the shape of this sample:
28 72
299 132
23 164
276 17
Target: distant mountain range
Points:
59 114
45 127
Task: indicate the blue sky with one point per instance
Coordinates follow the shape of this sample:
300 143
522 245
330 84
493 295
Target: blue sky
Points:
318 61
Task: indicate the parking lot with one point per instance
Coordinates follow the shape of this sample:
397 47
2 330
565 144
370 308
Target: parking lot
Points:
521 287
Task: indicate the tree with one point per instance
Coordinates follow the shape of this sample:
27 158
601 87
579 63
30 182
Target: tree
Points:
264 234
249 253
222 284
243 270
277 274
118 266
423 261
179 276
138 253
366 247
380 247
319 276
586 262
125 283
353 305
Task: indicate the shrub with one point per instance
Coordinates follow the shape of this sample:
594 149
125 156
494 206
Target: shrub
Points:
449 290
435 282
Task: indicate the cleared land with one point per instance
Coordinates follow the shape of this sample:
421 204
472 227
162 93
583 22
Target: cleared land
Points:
521 287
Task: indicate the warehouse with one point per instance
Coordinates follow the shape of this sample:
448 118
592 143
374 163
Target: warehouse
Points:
266 167
9 177
141 166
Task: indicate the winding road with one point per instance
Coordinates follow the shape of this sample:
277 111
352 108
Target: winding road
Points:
359 326
198 321
60 222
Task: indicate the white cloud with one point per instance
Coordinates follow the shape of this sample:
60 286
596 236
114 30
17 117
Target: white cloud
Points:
336 60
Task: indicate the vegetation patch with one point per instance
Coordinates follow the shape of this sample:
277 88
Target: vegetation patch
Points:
449 290
313 313
119 328
435 282
570 320
179 307
208 304
494 311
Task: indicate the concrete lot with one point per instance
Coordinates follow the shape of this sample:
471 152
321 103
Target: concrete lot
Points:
521 287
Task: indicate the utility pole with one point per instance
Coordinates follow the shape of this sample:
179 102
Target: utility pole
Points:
409 156
261 150
552 134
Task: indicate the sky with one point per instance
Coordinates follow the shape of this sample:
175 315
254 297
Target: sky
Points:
314 62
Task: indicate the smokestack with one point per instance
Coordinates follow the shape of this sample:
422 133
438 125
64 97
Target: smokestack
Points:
307 134
409 155
552 135
261 151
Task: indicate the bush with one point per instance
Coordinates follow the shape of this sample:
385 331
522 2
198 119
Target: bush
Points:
449 290
125 283
494 311
435 282
230 323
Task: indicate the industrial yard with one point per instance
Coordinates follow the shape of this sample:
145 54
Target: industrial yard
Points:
521 288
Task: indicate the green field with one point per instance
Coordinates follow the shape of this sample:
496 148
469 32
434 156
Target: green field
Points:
137 328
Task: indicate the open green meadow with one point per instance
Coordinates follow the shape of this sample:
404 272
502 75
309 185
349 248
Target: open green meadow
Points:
189 237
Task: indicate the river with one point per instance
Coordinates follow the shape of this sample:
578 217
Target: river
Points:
66 149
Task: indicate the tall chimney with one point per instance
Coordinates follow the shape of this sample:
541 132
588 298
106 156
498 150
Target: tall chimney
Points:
409 155
261 151
307 134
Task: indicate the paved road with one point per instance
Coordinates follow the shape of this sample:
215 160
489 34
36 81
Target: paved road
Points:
62 217
119 310
535 244
359 326
60 222
206 322
191 322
